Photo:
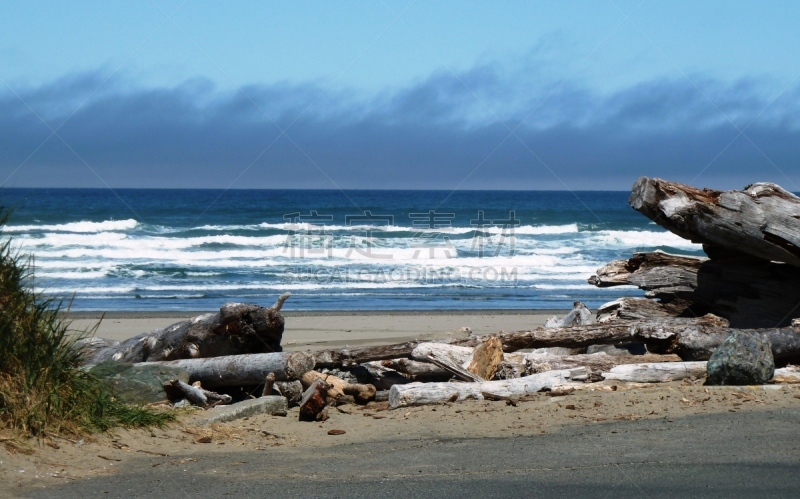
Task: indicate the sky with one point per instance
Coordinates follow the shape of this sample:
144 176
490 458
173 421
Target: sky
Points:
386 94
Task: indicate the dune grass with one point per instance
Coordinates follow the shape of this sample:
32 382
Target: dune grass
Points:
42 386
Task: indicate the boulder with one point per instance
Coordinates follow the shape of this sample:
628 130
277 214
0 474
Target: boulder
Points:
138 384
742 359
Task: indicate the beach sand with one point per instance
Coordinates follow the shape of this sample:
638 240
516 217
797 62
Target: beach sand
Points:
28 465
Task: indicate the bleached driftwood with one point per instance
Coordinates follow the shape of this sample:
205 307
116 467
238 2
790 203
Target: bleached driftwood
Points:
761 220
580 315
237 328
657 372
788 374
436 393
178 390
597 363
239 370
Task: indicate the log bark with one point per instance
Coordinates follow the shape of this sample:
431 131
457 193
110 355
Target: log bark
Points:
486 359
239 370
763 220
750 293
437 393
236 329
657 372
314 401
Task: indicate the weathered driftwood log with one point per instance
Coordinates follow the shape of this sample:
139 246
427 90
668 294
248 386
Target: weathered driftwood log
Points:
178 390
338 388
237 328
238 370
747 291
314 401
632 308
763 220
596 362
415 368
574 337
436 393
657 372
456 370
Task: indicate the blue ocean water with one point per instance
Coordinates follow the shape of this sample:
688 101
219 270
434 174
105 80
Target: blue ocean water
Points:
153 250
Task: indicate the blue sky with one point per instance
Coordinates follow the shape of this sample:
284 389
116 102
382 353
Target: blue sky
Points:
399 94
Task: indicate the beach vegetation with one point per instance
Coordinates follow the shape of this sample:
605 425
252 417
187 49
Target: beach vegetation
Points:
43 388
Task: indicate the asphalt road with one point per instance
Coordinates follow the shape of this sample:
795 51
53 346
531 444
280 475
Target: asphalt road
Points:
743 454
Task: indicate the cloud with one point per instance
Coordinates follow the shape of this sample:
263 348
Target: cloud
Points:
487 127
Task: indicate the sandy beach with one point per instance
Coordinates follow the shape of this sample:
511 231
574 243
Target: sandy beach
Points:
319 330
626 424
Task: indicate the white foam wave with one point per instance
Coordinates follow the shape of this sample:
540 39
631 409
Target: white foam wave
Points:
83 227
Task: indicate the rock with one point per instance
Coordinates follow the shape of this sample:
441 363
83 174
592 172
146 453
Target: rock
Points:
138 384
742 359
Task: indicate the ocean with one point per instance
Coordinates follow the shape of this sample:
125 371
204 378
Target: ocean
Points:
193 250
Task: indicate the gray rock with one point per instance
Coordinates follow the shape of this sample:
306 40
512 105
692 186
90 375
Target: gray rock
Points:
274 405
742 359
138 384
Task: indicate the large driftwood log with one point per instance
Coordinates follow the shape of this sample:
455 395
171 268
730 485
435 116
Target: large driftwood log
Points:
437 393
239 370
237 328
763 220
657 372
750 293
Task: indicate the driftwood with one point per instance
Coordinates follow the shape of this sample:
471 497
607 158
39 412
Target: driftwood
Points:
415 368
750 293
788 374
236 329
338 388
178 390
657 372
596 362
575 337
762 220
240 370
269 383
697 341
436 393
486 359
314 401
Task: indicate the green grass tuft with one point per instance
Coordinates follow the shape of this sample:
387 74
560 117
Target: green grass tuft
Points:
42 386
